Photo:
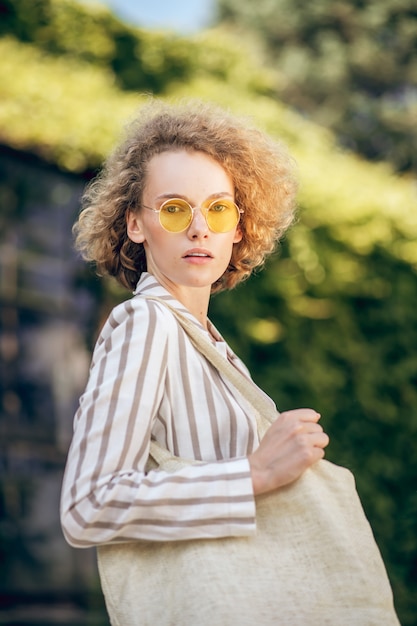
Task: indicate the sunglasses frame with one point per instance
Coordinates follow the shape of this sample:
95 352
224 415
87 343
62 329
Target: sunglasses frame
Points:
204 209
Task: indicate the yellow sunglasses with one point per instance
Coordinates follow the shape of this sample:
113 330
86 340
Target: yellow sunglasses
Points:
176 214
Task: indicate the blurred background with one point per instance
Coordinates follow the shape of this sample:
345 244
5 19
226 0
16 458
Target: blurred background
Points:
330 323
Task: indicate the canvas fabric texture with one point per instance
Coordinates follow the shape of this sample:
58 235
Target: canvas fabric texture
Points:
312 562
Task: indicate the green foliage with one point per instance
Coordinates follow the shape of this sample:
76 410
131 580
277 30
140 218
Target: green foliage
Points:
138 59
74 110
351 66
71 111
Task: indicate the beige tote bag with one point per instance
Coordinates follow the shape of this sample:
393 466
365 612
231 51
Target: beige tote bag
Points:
312 562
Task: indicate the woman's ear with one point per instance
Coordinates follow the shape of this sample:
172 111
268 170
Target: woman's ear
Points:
134 227
238 235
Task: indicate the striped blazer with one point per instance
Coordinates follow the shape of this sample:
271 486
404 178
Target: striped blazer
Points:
147 381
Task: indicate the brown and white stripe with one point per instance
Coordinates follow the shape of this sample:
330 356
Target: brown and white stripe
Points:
148 380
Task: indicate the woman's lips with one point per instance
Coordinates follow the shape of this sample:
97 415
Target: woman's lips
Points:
198 256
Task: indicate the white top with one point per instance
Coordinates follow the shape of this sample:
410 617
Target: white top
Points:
148 380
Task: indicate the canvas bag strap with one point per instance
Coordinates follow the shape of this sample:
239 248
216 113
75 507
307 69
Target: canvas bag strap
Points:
265 411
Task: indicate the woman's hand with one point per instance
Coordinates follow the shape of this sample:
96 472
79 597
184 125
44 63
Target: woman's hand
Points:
292 444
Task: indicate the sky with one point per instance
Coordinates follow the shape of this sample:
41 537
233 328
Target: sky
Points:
182 16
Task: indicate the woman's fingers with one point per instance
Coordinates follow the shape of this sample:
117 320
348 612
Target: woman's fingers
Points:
292 444
304 415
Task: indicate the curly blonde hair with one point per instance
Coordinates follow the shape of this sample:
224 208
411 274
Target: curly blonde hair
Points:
261 169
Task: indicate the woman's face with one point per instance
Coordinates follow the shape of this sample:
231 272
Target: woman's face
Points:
196 257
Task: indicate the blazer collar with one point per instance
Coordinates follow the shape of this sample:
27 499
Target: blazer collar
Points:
149 286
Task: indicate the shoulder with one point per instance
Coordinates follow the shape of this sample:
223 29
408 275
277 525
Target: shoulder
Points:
140 306
137 317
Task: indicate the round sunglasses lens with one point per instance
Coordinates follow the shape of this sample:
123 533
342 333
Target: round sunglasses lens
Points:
222 216
175 215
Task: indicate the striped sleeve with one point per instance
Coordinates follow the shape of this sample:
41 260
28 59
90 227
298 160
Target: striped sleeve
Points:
106 494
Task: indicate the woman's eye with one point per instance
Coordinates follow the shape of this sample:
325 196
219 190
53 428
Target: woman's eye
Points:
218 208
172 208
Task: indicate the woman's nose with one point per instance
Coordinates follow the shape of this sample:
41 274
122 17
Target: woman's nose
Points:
198 226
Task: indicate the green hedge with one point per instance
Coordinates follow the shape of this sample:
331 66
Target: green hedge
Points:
138 59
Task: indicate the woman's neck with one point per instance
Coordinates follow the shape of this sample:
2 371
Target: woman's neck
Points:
195 299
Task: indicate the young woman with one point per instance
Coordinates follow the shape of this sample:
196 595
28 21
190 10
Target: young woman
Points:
190 203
